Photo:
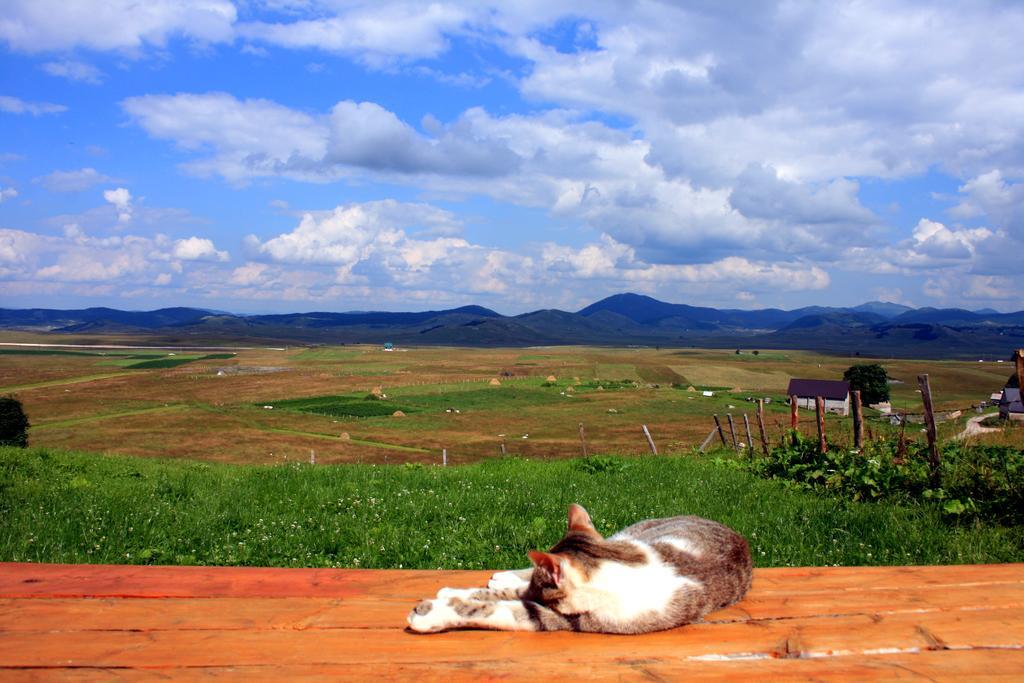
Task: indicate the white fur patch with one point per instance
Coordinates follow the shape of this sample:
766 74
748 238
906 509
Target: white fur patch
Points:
683 544
512 579
622 593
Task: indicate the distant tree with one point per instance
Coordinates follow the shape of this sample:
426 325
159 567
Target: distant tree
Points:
756 352
13 423
871 380
737 352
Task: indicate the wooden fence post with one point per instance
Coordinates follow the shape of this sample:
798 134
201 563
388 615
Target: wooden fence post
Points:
312 457
583 440
732 432
721 434
750 439
444 457
501 447
1018 359
858 421
760 425
819 409
707 439
794 420
650 441
929 425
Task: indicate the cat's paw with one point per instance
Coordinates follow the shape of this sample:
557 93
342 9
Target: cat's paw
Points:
506 580
431 616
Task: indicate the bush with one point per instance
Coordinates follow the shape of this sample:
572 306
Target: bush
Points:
871 380
13 423
986 482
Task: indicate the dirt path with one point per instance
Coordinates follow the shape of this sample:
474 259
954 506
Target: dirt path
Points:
974 427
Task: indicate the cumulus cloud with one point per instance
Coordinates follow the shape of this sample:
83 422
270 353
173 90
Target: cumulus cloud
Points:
45 25
15 105
7 193
73 181
360 135
78 257
74 71
121 199
197 249
376 34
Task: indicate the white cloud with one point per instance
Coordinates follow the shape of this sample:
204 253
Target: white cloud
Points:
7 193
74 71
121 199
73 181
376 34
15 105
197 249
45 25
78 257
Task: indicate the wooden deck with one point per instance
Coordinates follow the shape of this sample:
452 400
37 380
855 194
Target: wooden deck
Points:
88 622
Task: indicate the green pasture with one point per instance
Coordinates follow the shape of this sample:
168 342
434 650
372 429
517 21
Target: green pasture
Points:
60 506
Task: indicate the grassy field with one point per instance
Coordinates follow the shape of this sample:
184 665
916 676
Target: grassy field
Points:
212 407
60 506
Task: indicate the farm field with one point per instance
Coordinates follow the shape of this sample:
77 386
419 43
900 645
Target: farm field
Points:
269 405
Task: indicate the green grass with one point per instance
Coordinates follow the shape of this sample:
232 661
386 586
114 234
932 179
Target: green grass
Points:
464 397
58 506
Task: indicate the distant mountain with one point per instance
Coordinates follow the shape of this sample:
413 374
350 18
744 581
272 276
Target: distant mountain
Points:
870 329
83 319
884 308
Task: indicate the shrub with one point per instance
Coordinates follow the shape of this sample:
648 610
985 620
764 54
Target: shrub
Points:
871 380
13 423
986 482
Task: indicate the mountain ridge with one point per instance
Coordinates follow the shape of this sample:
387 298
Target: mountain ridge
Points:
872 328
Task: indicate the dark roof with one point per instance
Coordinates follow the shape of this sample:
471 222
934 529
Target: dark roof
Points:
1011 399
826 388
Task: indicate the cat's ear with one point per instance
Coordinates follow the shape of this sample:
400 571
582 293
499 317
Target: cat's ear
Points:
579 520
551 563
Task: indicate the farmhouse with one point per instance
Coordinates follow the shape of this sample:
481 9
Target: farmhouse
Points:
835 393
1011 407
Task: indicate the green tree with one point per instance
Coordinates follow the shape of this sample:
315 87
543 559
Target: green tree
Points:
13 423
871 380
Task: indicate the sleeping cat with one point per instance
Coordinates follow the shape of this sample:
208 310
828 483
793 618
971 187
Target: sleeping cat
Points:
650 576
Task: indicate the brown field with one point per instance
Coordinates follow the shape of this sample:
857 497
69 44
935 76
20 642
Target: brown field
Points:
192 411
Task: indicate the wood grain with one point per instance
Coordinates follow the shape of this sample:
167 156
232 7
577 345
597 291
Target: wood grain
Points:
91 622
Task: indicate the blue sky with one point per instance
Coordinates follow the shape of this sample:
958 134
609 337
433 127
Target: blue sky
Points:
279 155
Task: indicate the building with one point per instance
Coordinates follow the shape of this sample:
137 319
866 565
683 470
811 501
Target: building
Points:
1010 405
835 393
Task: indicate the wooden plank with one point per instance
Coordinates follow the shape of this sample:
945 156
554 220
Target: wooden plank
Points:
971 665
840 636
819 410
149 614
23 580
63 580
765 447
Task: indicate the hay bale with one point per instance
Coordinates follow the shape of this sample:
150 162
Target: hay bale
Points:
377 391
344 436
600 388
398 413
495 382
570 390
691 388
551 378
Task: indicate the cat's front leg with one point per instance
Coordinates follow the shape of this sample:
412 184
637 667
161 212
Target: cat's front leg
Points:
483 594
443 614
516 579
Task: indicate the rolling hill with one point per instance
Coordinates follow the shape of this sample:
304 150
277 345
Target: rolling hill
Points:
873 329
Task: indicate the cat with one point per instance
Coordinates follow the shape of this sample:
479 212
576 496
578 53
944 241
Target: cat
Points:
653 575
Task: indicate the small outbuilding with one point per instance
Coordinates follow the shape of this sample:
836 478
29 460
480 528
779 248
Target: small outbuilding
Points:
1011 407
835 392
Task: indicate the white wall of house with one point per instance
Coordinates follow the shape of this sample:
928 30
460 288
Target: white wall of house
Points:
831 405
